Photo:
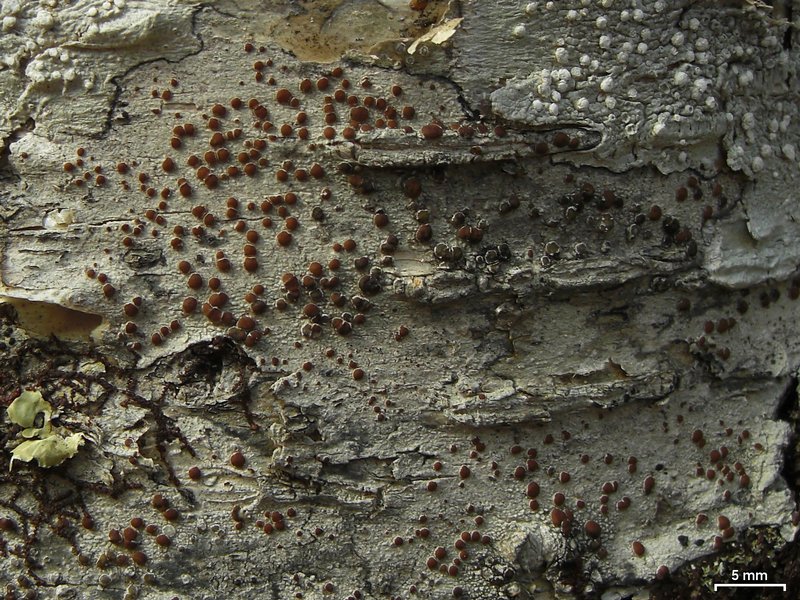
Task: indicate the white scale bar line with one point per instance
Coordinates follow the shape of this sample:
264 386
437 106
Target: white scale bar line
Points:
743 585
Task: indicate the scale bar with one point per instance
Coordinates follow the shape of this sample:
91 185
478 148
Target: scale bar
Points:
749 585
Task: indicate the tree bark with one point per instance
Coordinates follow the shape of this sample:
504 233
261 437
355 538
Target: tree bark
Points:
357 299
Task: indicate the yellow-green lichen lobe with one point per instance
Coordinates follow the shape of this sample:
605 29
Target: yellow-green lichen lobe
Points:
48 445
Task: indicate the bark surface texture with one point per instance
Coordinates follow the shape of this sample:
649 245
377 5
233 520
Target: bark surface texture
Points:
361 299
